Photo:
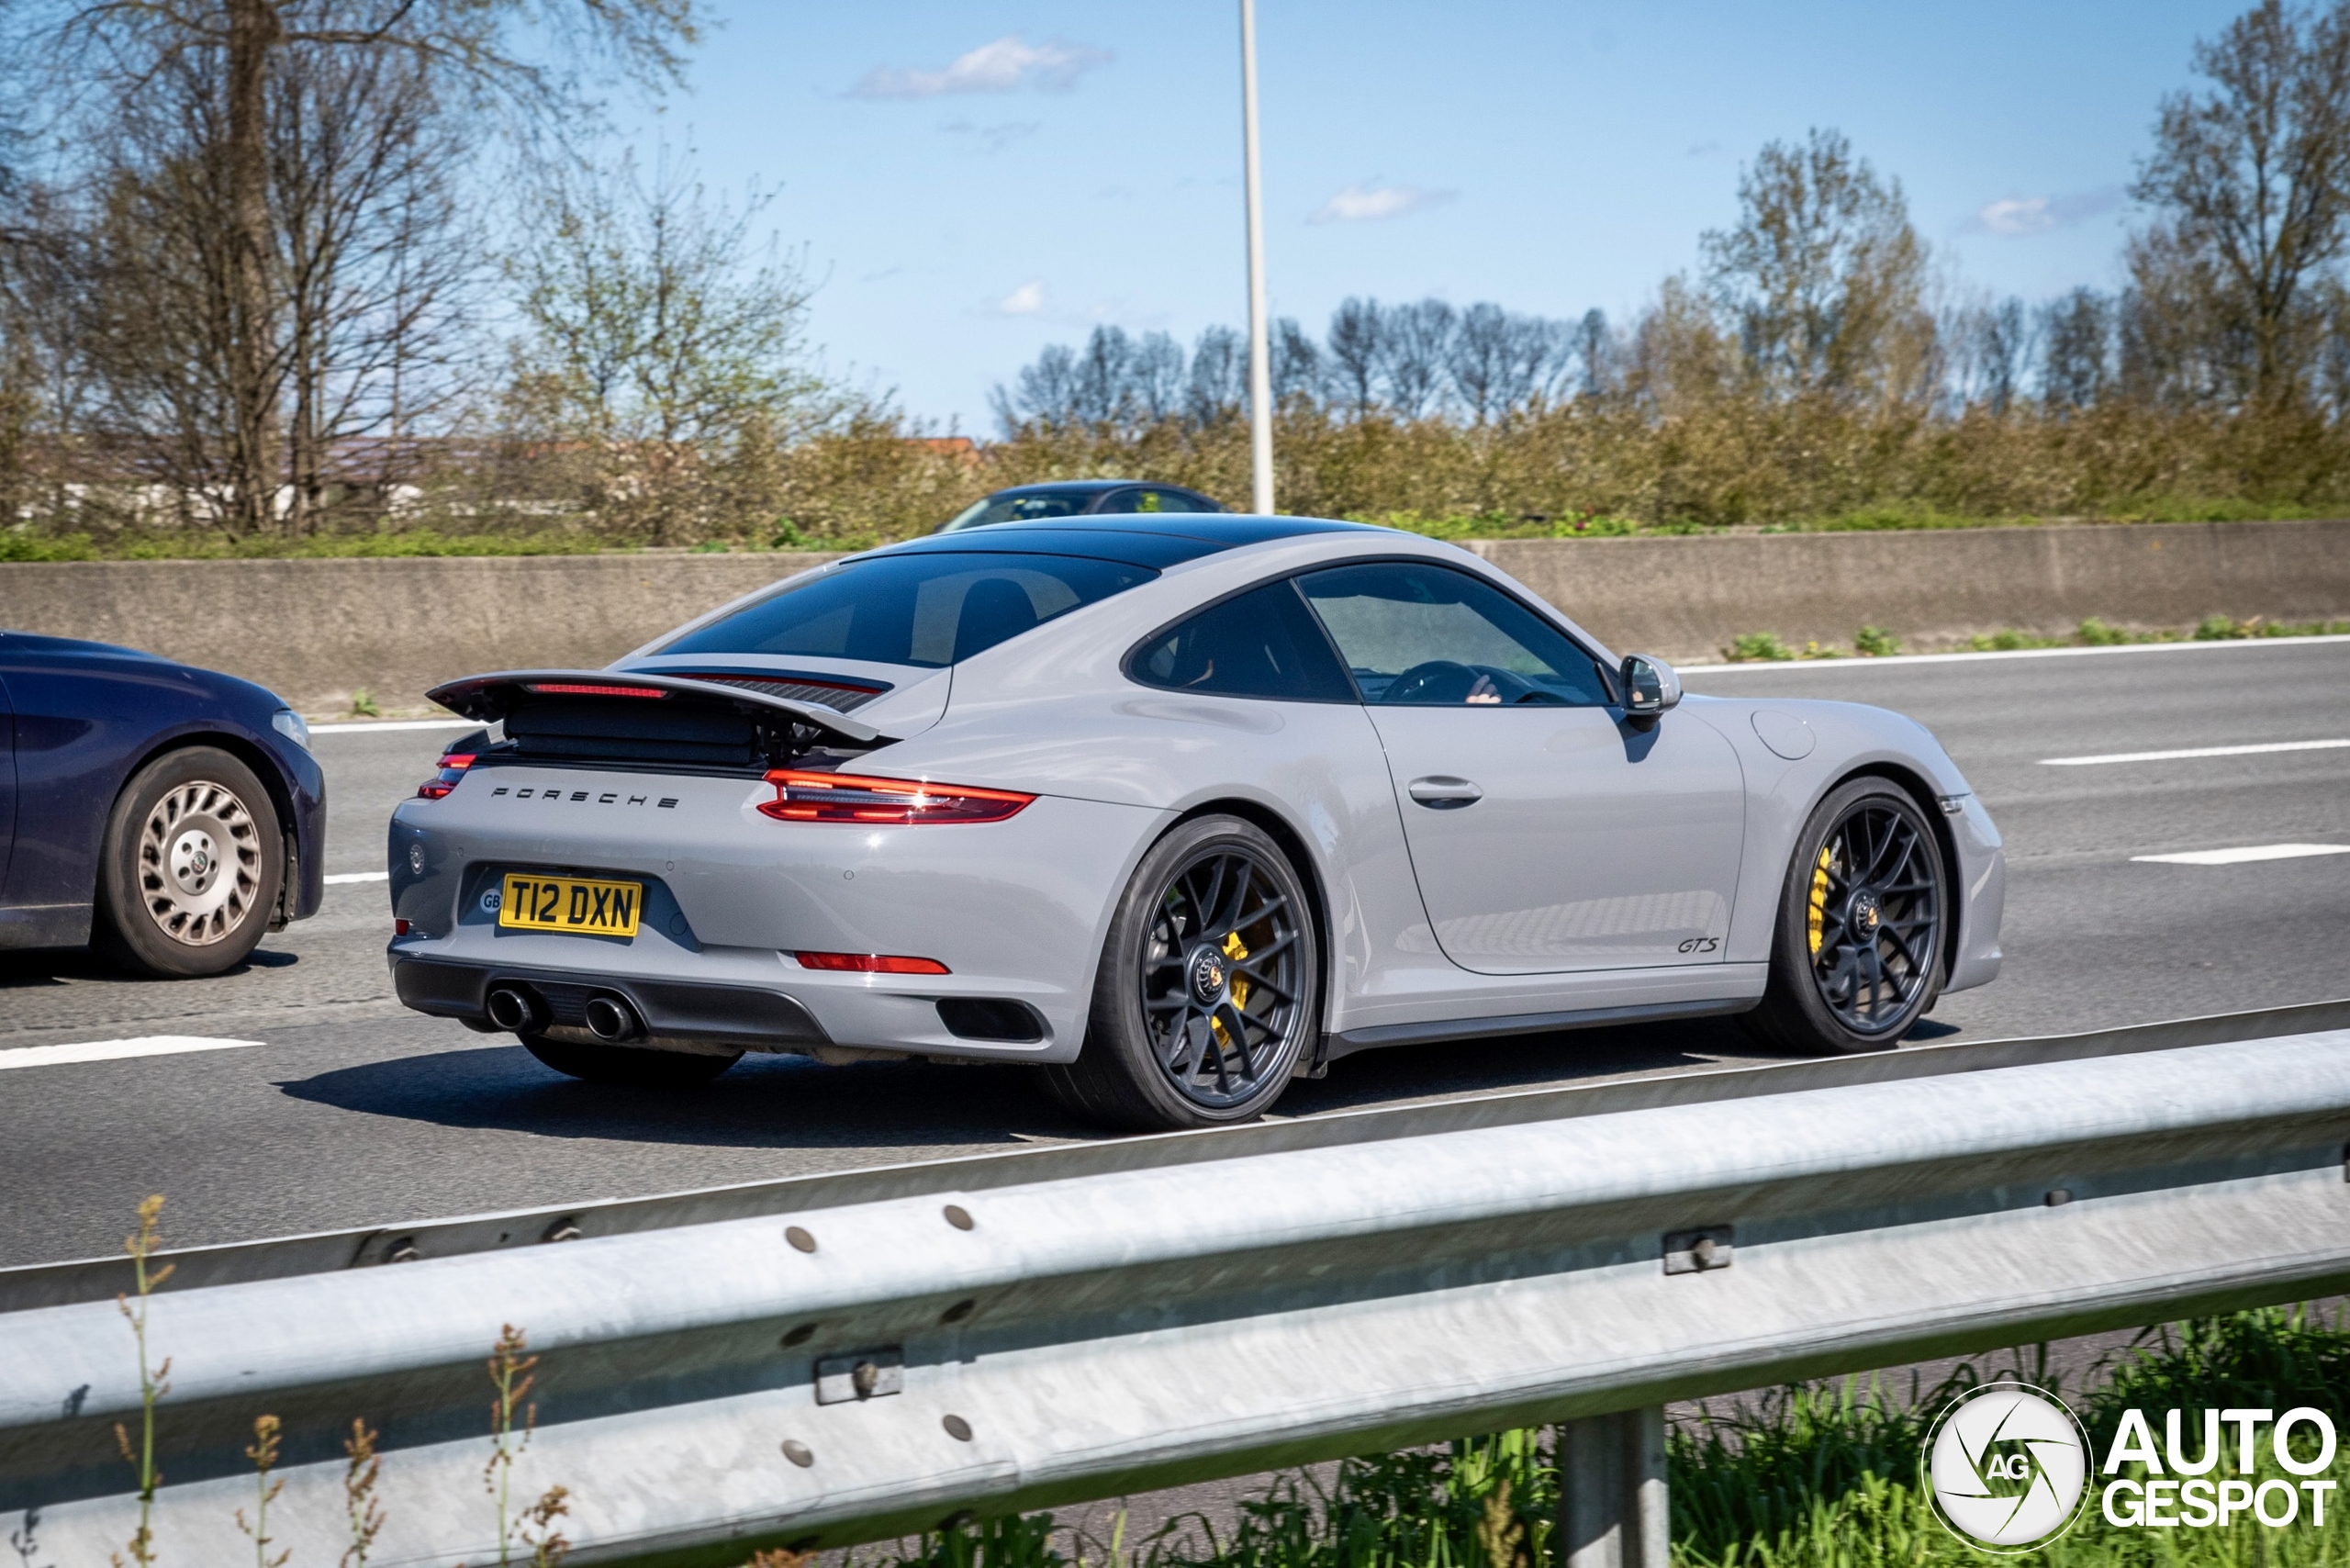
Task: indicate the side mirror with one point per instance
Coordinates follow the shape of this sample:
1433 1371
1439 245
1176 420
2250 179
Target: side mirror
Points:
1650 687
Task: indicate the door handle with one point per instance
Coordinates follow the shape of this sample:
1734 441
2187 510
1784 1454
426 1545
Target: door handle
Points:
1440 792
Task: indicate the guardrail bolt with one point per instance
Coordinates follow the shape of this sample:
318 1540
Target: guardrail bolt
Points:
957 1428
864 1377
958 1216
565 1229
798 1238
403 1251
2058 1196
959 1311
799 1335
1702 1251
797 1452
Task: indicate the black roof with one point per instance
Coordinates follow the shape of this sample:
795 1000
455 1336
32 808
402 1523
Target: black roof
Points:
1071 487
1158 539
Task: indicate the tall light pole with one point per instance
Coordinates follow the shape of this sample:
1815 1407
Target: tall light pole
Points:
1261 364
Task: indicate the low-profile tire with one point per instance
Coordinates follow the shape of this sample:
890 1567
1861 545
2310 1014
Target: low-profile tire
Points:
630 1067
1209 992
1863 922
190 867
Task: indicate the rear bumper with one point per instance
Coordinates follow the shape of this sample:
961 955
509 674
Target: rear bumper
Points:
1015 911
676 1012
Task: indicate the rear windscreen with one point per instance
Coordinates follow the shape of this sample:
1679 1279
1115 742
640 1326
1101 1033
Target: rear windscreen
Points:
929 609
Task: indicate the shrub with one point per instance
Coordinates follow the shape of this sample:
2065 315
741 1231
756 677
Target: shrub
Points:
1749 648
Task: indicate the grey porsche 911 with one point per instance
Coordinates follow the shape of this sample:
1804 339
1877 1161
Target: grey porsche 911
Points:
1176 809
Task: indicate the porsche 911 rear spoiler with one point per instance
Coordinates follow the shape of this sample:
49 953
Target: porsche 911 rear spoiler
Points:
591 713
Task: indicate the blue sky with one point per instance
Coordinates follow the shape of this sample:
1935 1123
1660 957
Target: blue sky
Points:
973 181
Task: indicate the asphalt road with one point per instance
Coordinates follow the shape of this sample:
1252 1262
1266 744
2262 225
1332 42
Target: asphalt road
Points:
353 1111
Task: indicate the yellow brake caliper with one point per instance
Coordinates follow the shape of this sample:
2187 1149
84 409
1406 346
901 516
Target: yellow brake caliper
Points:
1819 910
1235 949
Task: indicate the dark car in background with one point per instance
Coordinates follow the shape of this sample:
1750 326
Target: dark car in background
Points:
167 815
1077 498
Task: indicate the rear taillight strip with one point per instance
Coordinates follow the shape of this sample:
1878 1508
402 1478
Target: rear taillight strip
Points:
848 798
452 767
871 964
576 689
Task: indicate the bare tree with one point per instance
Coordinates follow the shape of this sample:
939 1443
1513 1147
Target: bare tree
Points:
1419 343
2251 178
2079 331
1155 376
2003 348
1823 274
1219 382
369 262
99 54
1356 342
1479 364
1594 349
1297 362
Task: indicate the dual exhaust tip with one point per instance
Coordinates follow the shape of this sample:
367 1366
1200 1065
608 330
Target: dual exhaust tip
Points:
608 1017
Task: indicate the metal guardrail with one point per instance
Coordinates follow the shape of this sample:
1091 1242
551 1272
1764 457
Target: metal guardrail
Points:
1075 1322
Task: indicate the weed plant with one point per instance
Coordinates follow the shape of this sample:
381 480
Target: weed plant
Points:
1815 1475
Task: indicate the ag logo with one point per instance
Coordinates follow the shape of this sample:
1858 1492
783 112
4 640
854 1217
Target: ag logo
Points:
2007 1466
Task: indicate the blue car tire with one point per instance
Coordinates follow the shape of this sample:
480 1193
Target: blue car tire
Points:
190 868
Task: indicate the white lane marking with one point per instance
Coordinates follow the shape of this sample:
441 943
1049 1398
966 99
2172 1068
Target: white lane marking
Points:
338 878
115 1050
391 726
2239 856
2191 751
1855 662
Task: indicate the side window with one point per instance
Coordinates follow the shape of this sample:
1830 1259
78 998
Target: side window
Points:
1263 642
1431 637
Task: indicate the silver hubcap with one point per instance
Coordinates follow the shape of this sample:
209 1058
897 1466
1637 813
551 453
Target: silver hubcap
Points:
200 863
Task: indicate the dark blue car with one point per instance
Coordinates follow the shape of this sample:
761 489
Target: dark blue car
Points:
167 815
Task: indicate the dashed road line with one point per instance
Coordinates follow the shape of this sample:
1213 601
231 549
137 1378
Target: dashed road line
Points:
116 1050
2248 853
2192 752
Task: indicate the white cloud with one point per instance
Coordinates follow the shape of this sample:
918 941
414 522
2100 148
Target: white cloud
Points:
994 137
1028 299
1008 64
2019 217
1359 203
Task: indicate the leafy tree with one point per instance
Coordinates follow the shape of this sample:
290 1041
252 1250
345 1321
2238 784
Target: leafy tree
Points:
1823 276
659 346
2250 178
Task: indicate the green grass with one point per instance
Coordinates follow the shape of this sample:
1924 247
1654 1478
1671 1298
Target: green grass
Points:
1874 642
24 544
29 543
1817 1476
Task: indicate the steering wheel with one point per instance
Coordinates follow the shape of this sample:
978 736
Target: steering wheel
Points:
1437 681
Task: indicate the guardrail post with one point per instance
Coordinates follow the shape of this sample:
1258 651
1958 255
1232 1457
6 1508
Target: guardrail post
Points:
1614 1510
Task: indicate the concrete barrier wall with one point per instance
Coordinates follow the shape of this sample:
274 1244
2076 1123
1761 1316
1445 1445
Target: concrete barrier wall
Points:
1685 598
316 631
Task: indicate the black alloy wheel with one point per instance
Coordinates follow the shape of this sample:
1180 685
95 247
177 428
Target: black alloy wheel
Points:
1208 993
1863 921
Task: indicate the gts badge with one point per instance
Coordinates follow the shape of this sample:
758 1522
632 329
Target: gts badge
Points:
1701 945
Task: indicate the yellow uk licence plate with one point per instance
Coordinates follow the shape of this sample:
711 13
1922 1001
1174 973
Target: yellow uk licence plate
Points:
574 904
